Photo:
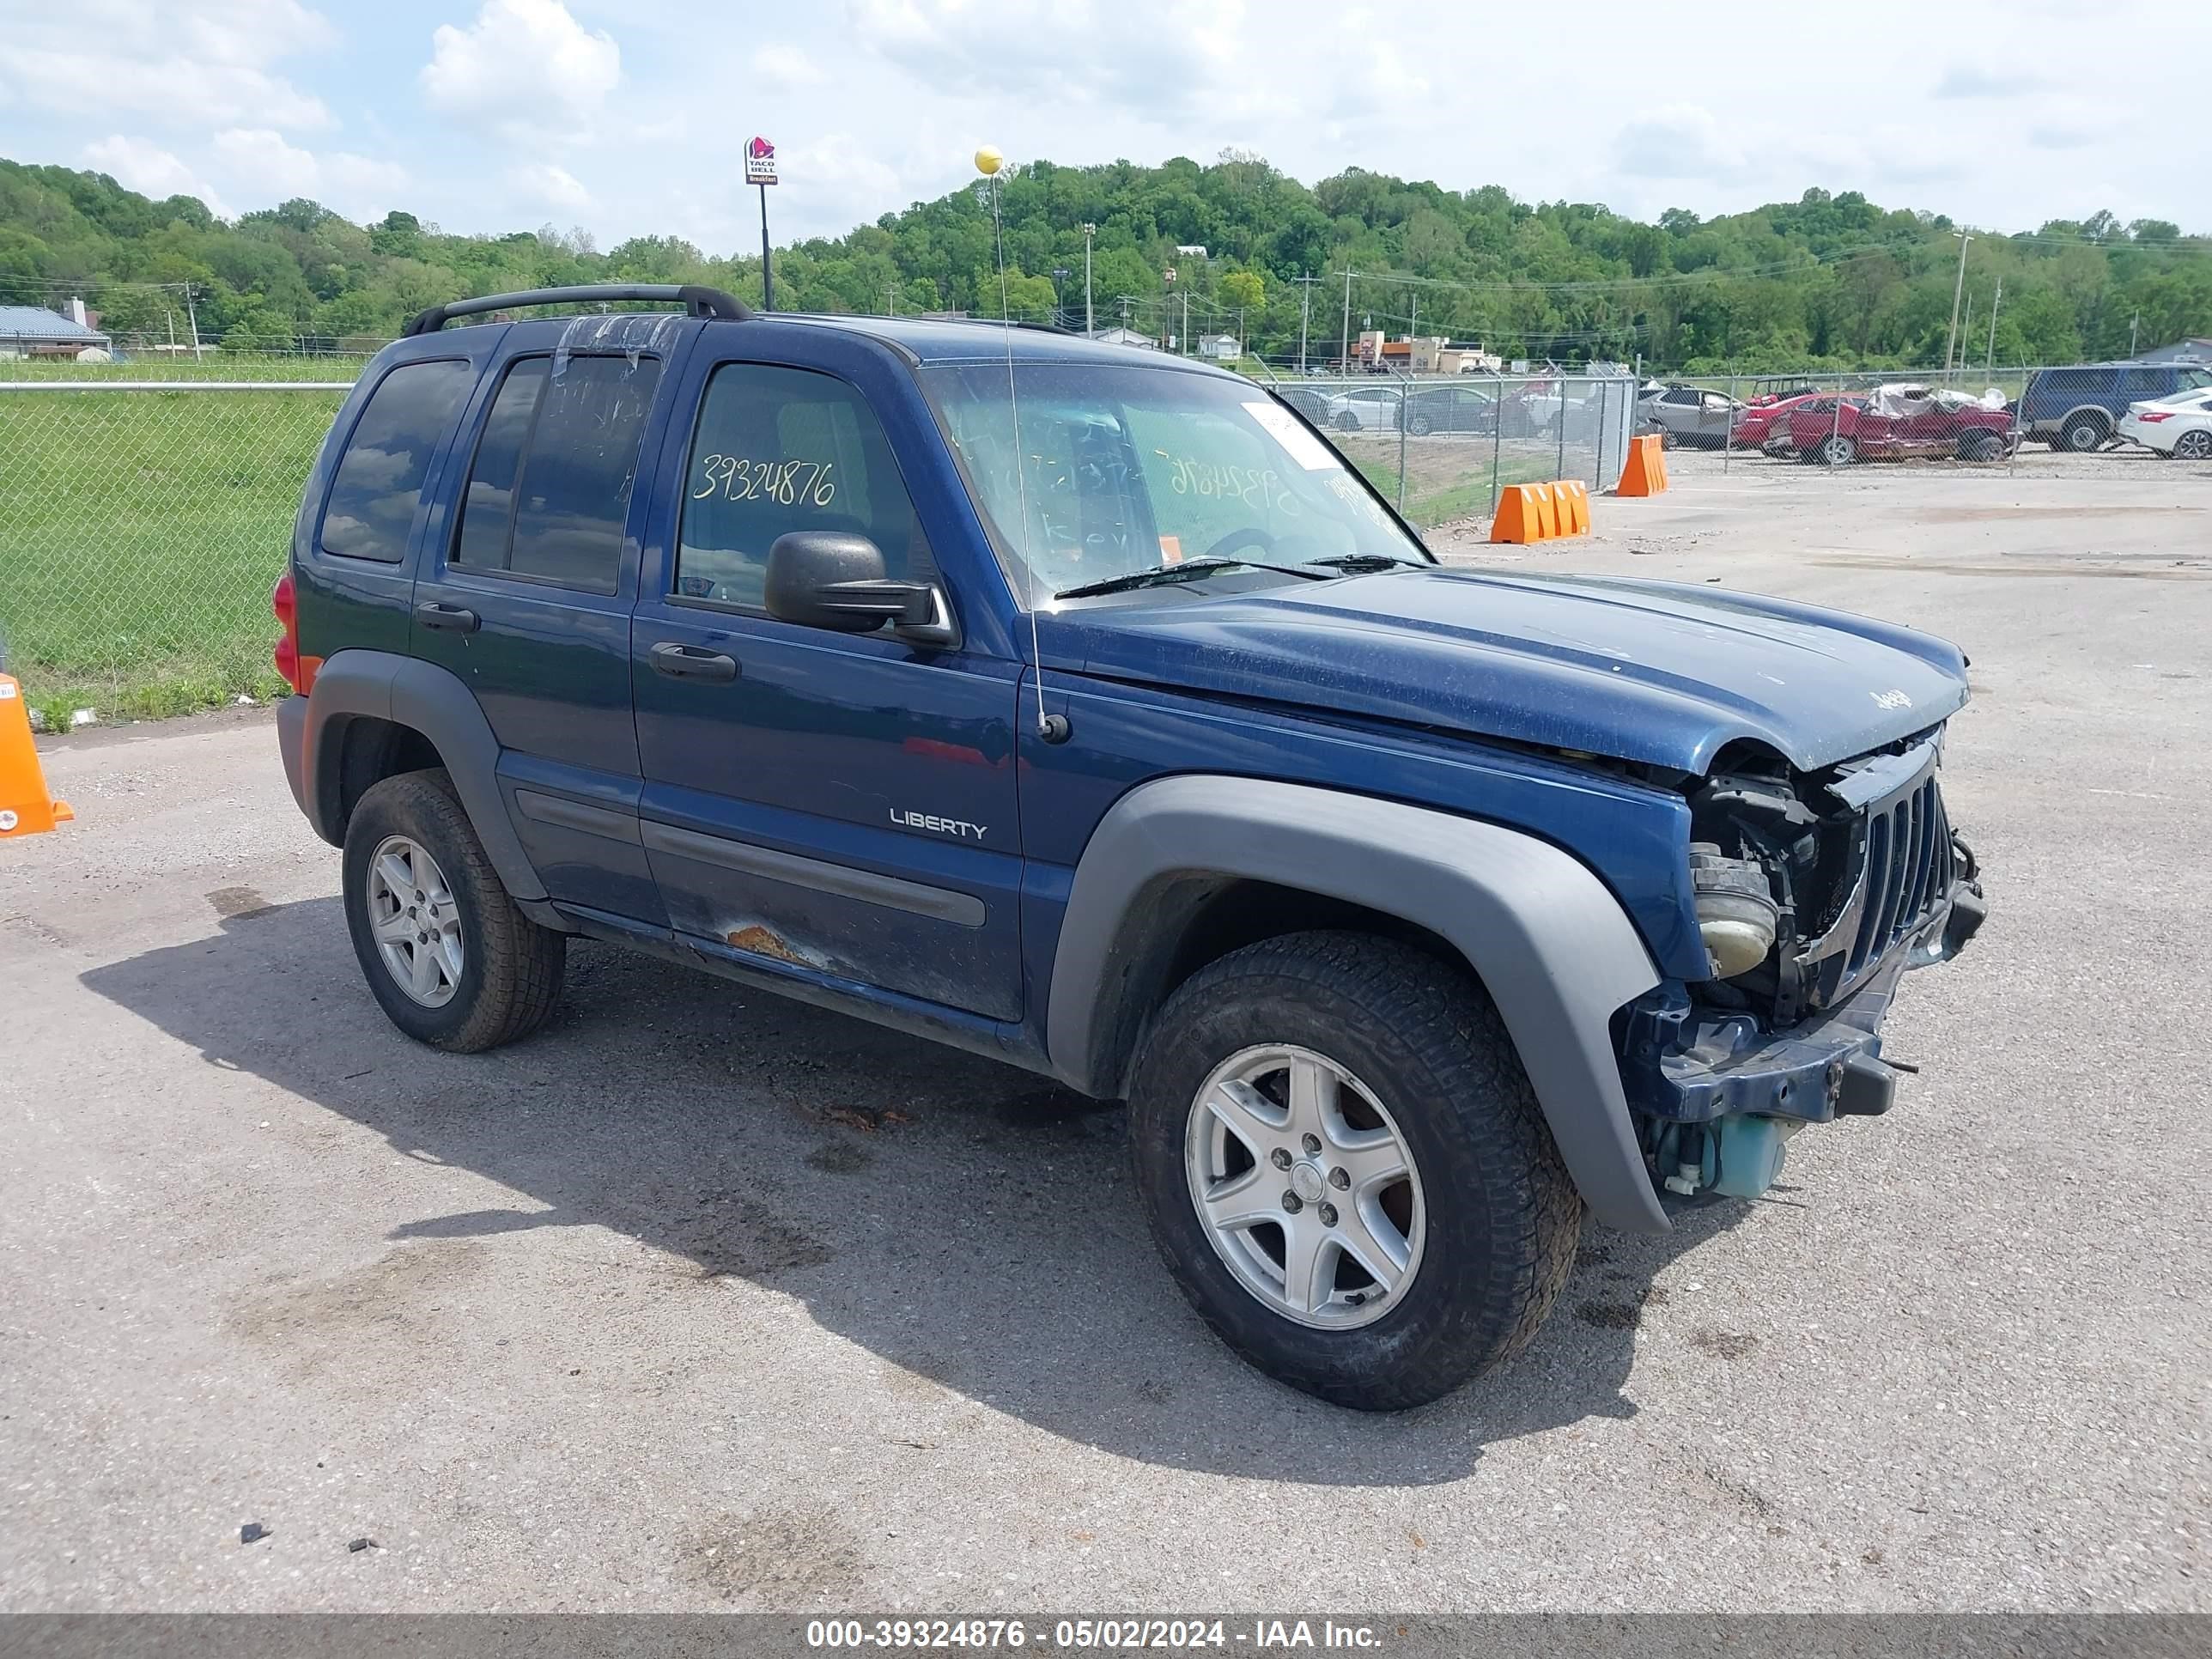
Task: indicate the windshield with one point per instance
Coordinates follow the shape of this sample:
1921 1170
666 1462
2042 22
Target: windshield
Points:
1131 469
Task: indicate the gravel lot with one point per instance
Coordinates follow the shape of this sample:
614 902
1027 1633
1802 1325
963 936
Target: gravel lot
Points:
704 1300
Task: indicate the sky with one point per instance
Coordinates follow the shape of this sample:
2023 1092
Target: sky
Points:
628 118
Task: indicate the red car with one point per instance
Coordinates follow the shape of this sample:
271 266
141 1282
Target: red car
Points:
1761 421
1899 423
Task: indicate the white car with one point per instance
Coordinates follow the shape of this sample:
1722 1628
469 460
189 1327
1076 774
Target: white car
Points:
2178 428
1365 409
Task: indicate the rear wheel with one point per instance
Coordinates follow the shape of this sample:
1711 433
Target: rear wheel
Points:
1345 1169
2081 433
1347 421
1420 426
2192 446
1838 451
448 956
1980 445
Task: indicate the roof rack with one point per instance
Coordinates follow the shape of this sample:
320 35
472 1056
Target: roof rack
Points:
696 300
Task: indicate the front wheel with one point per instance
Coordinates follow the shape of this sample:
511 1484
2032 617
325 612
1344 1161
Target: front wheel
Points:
1838 451
448 956
1347 421
1345 1169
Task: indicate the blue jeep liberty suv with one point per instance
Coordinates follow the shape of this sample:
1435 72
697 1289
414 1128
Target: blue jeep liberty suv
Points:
1078 706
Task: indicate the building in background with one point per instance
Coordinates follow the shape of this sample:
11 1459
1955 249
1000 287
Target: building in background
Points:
2181 351
35 332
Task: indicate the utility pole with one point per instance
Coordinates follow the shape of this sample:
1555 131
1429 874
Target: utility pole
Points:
1957 293
1989 365
1089 327
1305 314
1344 363
193 318
1186 323
890 292
2133 323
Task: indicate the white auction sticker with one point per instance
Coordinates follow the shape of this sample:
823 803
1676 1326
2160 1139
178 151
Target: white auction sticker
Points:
7 689
7 822
1308 451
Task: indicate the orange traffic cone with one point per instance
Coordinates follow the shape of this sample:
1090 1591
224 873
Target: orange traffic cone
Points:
26 809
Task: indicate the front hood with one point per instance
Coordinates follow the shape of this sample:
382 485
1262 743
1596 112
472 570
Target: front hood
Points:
1652 671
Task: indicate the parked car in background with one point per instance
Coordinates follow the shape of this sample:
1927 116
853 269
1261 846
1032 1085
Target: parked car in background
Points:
2179 429
1309 401
1363 409
1691 415
2080 408
1759 422
1901 422
1449 409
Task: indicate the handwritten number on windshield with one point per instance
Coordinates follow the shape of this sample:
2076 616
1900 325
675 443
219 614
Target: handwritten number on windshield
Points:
1252 486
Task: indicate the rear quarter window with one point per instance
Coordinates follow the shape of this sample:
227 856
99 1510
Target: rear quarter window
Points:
379 481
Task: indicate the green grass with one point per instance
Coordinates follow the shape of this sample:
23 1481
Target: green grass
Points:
215 366
140 533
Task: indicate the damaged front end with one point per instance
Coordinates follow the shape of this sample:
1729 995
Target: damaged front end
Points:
1815 893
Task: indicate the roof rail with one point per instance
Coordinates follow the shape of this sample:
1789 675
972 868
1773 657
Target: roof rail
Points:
697 300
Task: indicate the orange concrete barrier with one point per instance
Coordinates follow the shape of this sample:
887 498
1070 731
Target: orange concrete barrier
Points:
26 809
1538 511
1572 496
1522 515
1646 471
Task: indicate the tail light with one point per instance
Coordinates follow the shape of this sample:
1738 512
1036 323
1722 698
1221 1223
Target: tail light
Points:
2148 416
299 671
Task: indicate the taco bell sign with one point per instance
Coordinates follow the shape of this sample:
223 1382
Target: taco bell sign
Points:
760 162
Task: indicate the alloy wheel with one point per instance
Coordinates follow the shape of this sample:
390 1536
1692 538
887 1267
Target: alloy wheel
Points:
416 921
1305 1187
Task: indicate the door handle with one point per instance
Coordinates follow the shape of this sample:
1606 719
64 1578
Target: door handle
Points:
431 614
693 662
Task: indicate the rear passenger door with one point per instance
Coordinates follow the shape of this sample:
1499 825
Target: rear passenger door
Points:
526 593
838 806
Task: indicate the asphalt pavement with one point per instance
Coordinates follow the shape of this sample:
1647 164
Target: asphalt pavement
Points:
701 1299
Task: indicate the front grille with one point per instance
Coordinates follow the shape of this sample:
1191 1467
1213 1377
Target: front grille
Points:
1897 867
1908 872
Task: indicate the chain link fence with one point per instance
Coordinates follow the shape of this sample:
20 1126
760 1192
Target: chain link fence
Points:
141 525
1442 446
146 508
1963 421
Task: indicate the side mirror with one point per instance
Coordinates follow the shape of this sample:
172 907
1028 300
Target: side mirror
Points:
834 579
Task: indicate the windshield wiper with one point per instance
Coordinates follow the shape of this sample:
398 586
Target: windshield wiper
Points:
1167 574
1360 564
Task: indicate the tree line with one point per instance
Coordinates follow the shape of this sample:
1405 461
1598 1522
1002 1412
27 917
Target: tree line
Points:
1828 281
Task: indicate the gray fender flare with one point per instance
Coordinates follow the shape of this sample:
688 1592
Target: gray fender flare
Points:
434 702
1552 946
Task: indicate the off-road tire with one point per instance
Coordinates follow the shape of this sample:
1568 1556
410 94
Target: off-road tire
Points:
511 968
1503 1215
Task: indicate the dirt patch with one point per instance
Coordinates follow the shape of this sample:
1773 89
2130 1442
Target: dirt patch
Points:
237 903
399 1301
1728 1344
776 1558
730 1235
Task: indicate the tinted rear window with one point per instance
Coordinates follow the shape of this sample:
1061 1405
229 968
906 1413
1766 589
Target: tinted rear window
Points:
548 495
380 477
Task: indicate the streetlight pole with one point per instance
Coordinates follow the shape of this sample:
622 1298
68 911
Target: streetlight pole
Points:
1305 311
1989 365
1344 362
1957 293
1090 327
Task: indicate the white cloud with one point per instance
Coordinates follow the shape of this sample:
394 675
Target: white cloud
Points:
547 185
1979 80
788 66
150 170
1680 141
194 64
524 67
265 168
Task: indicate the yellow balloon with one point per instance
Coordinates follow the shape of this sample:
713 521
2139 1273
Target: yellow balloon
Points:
989 161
